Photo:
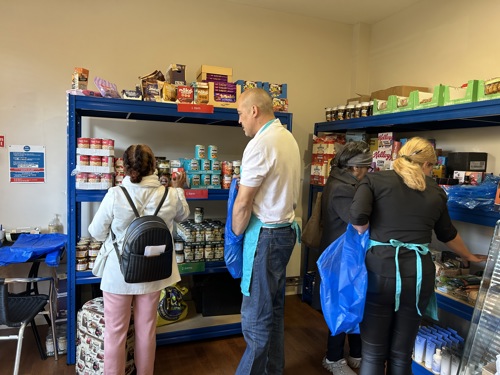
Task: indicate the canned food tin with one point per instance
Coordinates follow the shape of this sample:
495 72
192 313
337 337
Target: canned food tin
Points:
209 252
108 144
96 143
205 164
212 152
219 252
236 167
107 177
82 177
83 142
199 252
119 178
118 162
226 181
83 160
93 177
95 161
215 165
194 165
206 179
227 168
199 152
107 161
194 180
215 180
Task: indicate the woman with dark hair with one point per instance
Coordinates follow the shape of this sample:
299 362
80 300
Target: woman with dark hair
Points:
349 166
115 214
402 207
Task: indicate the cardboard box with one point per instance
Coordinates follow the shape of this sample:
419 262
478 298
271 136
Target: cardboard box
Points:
245 85
381 107
358 100
176 74
276 90
488 89
323 148
460 95
396 90
212 99
204 69
403 104
422 100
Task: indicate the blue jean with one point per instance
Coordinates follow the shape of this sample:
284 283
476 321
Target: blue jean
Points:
262 313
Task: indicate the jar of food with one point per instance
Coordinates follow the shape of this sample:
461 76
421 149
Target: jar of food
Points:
81 264
236 167
91 262
365 107
198 215
349 112
341 112
357 110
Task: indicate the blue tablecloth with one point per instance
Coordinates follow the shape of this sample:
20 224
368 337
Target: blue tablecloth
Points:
33 246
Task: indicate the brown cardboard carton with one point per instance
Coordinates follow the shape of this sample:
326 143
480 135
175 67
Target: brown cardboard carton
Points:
396 90
359 99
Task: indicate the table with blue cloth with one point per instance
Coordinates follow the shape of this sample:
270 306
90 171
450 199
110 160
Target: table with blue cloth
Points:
35 248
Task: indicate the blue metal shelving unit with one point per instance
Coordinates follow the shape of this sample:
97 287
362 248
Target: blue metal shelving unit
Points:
86 106
469 115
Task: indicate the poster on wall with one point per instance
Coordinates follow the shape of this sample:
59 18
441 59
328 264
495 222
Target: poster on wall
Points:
26 164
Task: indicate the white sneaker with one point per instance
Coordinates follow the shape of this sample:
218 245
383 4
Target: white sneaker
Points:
353 362
338 367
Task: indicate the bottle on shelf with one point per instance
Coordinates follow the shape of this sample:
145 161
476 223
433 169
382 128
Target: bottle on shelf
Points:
55 225
445 361
436 362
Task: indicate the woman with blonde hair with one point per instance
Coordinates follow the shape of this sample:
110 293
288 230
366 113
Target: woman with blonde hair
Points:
402 207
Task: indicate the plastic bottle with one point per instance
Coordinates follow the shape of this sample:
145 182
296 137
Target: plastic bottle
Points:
55 225
445 361
436 362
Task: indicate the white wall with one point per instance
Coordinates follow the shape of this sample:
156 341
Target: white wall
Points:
443 42
323 63
121 40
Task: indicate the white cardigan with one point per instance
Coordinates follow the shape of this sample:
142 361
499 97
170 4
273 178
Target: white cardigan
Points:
115 213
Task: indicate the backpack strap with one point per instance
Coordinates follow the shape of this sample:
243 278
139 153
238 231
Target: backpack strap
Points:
130 201
161 202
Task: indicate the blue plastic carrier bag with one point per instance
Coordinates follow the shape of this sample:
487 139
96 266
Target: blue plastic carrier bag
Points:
344 281
233 244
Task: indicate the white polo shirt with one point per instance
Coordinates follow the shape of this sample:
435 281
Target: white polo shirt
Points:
271 161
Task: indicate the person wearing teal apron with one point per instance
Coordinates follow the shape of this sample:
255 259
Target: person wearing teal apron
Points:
402 207
264 209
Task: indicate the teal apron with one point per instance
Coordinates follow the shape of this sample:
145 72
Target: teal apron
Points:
420 249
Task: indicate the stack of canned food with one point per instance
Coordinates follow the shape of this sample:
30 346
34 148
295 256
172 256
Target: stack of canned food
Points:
199 241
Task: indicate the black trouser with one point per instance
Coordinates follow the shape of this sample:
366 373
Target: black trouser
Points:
335 348
389 335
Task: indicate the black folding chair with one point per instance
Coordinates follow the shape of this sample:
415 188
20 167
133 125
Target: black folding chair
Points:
17 311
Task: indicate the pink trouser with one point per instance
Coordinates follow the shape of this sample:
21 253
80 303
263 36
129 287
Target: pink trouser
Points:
117 317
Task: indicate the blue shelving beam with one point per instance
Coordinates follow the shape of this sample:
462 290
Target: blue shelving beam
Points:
86 106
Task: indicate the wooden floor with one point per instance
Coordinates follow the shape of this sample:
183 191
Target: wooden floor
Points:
305 345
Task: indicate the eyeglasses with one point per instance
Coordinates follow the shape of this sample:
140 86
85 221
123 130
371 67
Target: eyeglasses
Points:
370 168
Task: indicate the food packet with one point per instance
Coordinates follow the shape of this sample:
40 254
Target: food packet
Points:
107 89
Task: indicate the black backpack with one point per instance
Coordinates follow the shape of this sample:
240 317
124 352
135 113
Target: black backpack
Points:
143 231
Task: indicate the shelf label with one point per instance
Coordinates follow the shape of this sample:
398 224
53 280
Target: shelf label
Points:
196 193
197 108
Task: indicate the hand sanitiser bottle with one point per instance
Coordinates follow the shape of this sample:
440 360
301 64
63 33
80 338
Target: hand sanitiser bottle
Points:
55 225
436 362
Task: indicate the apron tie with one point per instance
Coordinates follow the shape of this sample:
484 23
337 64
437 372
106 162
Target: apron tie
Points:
420 249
